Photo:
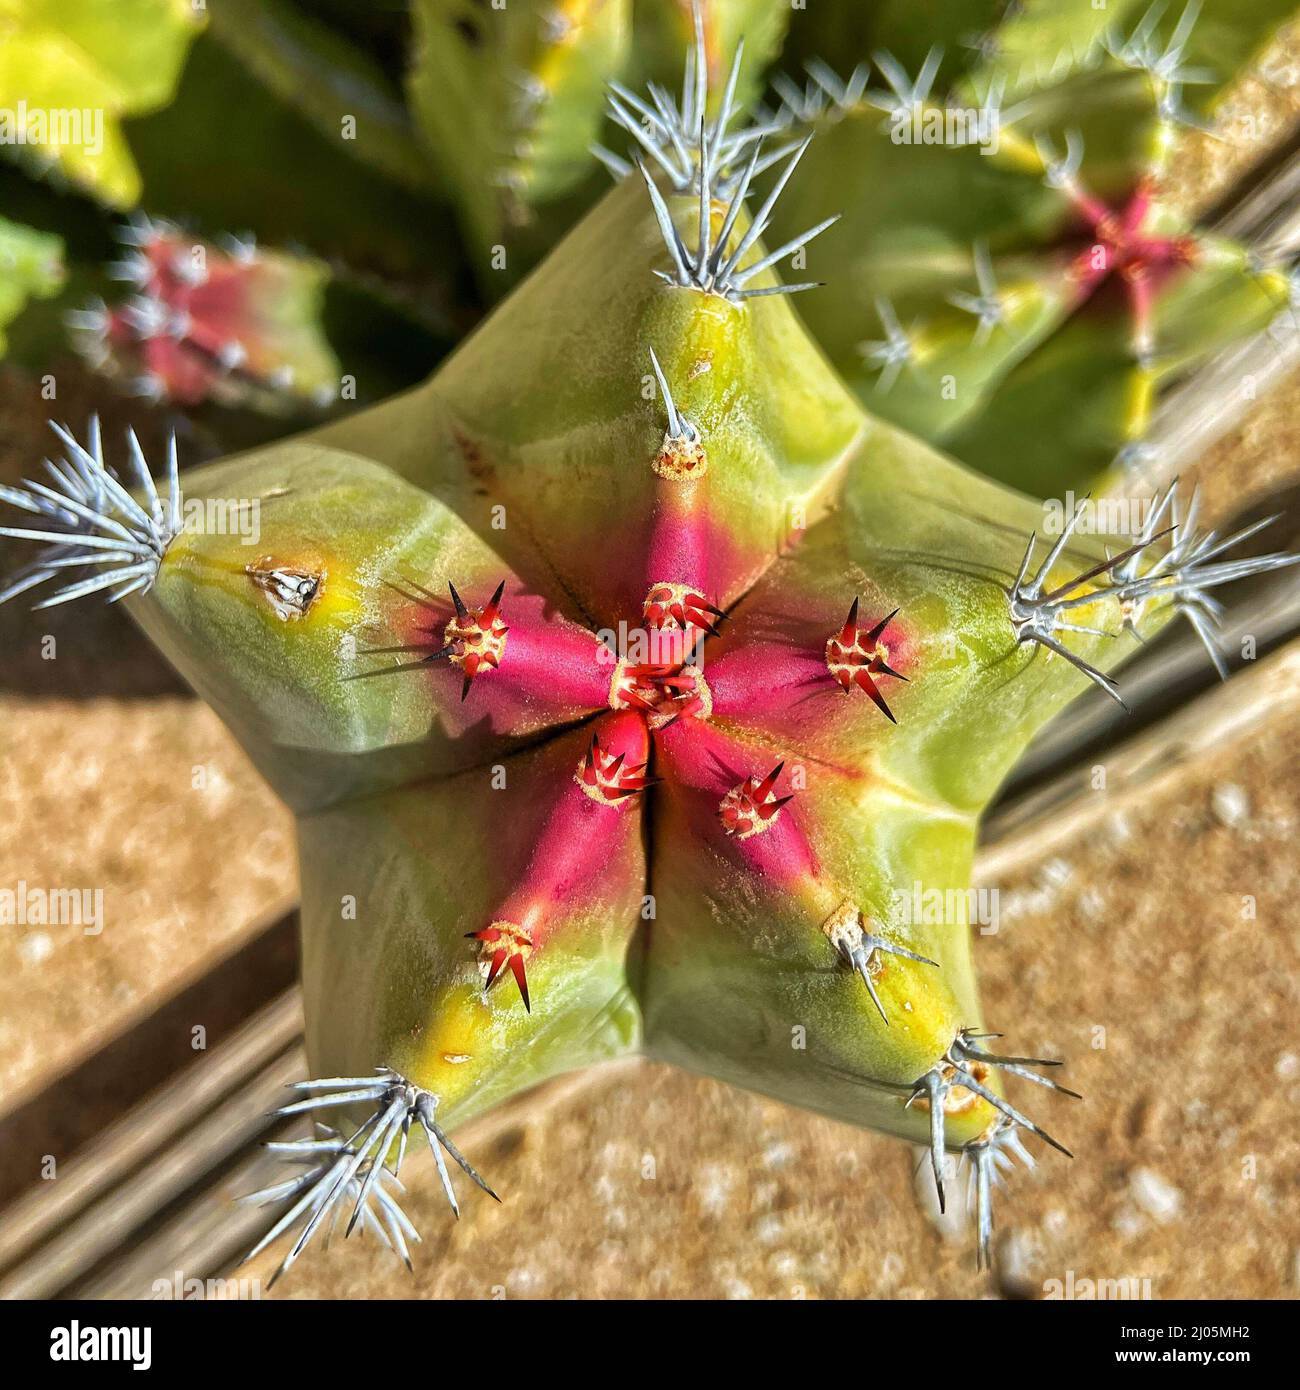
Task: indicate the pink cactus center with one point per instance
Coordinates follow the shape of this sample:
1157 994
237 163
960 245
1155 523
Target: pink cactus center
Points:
663 691
661 711
1122 247
656 720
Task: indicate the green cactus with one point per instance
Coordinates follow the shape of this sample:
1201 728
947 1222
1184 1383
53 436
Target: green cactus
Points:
727 668
628 680
1005 269
510 100
229 322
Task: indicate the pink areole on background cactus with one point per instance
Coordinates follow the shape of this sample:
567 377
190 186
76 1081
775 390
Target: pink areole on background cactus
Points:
209 322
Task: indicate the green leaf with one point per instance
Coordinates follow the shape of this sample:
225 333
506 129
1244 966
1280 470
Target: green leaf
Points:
510 100
328 79
31 267
665 32
70 70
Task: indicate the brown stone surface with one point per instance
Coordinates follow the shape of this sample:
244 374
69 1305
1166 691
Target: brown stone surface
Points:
1258 460
1131 954
102 794
1257 114
99 743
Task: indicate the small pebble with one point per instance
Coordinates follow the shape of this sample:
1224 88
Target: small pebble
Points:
1091 903
715 1188
1055 873
769 1229
36 948
778 1155
1288 1066
1229 804
1158 1198
1126 1221
1018 1255
1118 828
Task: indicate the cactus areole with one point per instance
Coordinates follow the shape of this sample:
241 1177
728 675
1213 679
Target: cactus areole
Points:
631 684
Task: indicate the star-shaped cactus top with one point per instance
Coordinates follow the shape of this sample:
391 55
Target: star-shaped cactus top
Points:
633 687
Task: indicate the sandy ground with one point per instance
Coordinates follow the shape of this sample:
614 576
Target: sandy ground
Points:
1256 113
113 778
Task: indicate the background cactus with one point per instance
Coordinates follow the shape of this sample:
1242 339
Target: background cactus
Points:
628 675
229 322
982 294
1019 277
